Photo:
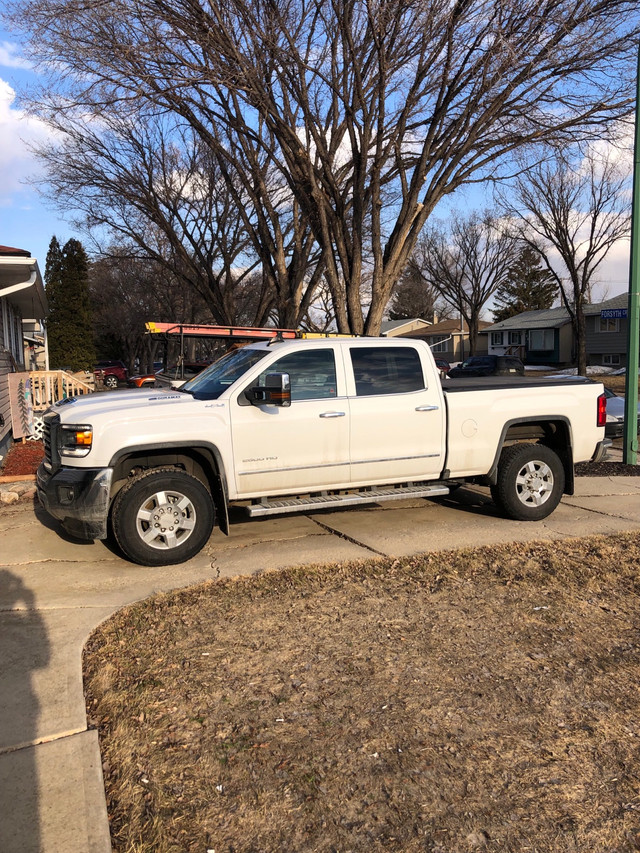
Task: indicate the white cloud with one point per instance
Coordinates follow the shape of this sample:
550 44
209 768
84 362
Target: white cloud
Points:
10 56
18 131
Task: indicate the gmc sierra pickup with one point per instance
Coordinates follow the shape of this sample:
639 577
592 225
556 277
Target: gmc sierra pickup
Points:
302 425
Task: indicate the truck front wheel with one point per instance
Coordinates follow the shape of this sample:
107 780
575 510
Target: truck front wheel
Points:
530 482
162 517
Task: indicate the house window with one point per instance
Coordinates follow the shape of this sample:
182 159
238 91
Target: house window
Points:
497 339
438 343
611 359
609 324
515 338
541 340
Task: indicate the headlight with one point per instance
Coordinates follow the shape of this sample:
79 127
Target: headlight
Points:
75 439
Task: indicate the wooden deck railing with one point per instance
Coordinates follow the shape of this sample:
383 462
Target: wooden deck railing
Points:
50 386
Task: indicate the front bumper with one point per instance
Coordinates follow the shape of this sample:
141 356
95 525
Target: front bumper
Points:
77 497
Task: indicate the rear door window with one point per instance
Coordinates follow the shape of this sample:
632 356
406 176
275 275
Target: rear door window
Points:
386 370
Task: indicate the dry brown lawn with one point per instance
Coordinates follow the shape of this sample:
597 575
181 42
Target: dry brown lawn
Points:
484 699
615 383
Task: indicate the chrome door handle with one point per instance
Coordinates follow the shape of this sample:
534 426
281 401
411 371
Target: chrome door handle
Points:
427 408
333 414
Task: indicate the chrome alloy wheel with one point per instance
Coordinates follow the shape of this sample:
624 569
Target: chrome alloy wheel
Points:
165 520
534 483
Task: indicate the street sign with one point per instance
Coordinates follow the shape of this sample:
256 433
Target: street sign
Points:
614 314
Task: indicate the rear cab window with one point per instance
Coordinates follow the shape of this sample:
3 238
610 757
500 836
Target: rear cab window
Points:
386 370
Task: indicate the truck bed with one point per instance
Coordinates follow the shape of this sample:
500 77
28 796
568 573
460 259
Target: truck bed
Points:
486 383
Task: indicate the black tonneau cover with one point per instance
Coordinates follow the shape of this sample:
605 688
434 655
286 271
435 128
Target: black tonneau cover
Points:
487 383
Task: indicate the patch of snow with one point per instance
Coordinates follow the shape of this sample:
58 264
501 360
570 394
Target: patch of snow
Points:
592 370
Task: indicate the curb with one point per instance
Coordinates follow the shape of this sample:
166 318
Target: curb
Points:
18 478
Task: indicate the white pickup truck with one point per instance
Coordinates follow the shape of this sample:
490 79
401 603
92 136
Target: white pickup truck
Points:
303 425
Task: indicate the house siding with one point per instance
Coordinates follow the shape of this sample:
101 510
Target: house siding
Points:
565 351
605 343
10 338
5 407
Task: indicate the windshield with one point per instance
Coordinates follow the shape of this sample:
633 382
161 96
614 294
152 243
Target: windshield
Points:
210 384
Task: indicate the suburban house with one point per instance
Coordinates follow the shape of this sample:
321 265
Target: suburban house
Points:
537 337
449 339
22 297
395 328
607 331
546 337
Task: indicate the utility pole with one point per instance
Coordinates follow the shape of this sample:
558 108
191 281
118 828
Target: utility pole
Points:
630 450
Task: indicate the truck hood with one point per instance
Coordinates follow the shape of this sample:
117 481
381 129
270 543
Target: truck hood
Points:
138 419
81 409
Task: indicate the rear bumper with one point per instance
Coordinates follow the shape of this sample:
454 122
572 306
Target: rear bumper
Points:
78 498
614 429
601 450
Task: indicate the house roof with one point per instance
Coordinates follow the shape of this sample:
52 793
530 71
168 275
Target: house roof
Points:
620 301
549 318
21 282
388 326
554 318
9 250
452 327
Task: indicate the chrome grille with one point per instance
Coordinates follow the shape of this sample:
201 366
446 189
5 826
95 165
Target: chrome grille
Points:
50 440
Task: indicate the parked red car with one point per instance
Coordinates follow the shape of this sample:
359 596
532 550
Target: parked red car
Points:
110 373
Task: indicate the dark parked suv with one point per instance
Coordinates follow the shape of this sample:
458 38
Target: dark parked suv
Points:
489 365
110 373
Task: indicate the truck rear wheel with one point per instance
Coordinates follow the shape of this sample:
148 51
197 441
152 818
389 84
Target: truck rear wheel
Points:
162 517
530 482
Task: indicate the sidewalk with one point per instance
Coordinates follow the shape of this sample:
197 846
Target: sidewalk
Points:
55 591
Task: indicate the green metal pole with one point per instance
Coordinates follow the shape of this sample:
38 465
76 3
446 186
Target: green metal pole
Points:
630 451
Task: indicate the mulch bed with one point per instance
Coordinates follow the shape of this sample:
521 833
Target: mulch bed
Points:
23 459
607 469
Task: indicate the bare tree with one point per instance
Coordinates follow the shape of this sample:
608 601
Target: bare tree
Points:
157 187
466 263
128 291
571 214
373 112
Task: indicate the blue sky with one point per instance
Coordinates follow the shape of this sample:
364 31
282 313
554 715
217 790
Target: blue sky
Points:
28 222
25 221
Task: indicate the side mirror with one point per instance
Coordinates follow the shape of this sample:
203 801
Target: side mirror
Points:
276 391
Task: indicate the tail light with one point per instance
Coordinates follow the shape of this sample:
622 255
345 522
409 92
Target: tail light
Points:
602 410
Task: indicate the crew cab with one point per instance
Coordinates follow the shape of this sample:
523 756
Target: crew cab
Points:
302 425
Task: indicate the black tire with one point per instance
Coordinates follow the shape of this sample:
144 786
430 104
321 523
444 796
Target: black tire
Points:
530 482
171 502
111 381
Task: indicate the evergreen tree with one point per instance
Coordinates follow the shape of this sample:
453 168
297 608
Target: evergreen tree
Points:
528 287
69 326
413 296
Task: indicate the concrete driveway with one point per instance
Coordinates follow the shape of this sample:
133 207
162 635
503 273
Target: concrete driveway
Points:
55 591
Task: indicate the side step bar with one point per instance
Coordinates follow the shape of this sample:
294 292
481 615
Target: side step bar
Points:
278 506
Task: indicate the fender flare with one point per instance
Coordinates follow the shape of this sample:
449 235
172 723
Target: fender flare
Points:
566 457
219 487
